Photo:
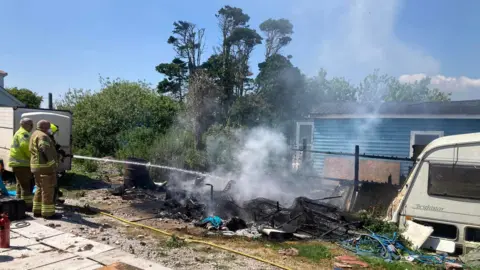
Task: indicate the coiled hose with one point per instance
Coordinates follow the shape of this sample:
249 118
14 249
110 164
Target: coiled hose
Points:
197 241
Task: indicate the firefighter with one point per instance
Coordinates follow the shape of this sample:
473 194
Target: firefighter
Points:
60 155
43 163
19 161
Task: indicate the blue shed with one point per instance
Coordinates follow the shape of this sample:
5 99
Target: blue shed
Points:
386 129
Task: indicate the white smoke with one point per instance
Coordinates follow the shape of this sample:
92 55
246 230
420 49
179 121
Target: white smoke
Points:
263 166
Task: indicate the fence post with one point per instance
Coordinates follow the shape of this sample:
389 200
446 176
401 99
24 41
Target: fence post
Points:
357 167
304 150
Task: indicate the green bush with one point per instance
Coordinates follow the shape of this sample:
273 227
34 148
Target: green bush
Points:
119 110
88 166
177 149
136 142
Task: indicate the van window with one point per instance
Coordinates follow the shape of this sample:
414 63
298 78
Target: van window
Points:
472 234
460 181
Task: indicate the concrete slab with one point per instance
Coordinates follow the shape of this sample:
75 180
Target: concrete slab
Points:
19 242
14 235
36 231
116 255
31 257
77 263
71 243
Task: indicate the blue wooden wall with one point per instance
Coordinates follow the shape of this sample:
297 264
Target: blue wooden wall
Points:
387 137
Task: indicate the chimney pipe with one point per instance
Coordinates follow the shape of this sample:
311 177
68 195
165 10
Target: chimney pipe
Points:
50 101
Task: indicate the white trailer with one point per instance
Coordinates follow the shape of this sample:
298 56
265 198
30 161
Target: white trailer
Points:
10 122
443 191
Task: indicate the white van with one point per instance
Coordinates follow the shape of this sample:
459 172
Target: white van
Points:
10 122
443 191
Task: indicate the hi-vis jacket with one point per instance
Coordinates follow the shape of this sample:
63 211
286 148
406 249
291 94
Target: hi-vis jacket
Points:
43 154
19 152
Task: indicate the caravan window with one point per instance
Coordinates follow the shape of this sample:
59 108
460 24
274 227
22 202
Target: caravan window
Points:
460 181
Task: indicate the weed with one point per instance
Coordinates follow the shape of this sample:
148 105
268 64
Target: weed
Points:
371 221
175 242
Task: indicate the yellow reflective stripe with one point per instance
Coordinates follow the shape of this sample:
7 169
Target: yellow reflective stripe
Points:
47 165
13 162
43 143
37 206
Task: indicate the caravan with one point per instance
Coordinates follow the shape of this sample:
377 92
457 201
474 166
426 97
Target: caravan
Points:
443 191
10 122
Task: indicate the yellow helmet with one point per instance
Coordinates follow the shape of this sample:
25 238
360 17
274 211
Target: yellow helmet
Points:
54 128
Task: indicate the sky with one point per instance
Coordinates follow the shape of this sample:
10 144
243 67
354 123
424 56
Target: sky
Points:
54 45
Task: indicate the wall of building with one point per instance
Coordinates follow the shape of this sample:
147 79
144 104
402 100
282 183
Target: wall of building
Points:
387 137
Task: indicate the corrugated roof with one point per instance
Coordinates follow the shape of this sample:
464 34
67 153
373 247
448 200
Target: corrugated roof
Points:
467 107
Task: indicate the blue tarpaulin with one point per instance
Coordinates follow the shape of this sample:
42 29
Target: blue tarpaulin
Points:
4 190
14 192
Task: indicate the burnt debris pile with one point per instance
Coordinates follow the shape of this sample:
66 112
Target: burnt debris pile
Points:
198 201
305 215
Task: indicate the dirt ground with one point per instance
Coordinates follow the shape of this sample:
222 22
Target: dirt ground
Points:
166 250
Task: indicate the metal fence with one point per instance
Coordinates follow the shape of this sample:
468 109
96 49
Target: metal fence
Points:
352 171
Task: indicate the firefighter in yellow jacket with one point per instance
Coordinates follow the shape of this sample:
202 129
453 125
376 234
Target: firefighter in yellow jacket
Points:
19 161
43 163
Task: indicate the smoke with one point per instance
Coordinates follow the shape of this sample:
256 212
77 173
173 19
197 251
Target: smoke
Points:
261 165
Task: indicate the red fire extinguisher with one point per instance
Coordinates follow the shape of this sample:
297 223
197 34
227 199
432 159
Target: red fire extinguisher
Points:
4 231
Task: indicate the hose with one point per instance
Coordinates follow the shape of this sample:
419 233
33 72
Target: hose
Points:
196 241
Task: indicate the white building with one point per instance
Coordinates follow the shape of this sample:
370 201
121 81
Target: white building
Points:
5 98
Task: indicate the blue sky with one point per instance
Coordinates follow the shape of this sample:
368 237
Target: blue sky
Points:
54 45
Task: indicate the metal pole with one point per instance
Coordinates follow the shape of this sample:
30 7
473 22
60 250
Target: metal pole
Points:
357 167
50 101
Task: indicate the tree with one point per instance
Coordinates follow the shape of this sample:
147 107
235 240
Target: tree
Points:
282 86
70 99
26 96
278 35
202 102
230 19
417 91
374 88
337 89
176 74
243 40
188 43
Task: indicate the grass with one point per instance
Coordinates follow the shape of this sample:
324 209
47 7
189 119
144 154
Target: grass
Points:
175 242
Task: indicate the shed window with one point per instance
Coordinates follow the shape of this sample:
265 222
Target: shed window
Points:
304 131
458 181
422 138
